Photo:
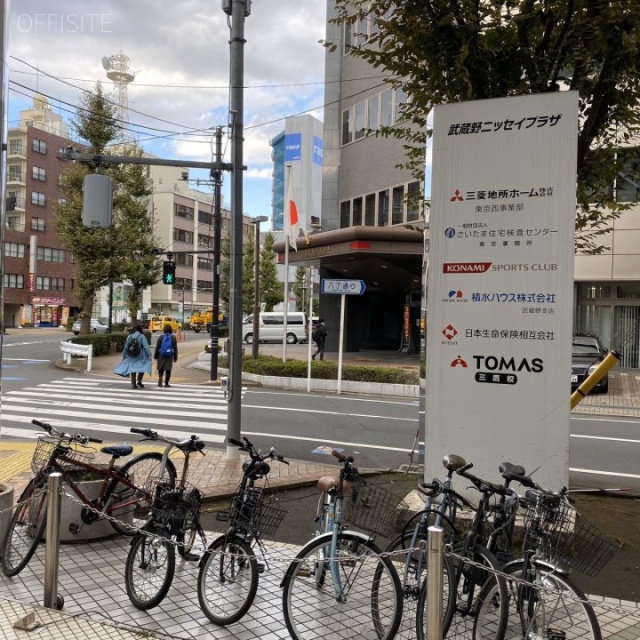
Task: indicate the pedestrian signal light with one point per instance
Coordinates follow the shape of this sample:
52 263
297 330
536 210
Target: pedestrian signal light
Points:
168 272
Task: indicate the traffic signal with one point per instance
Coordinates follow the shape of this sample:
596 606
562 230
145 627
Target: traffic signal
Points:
168 272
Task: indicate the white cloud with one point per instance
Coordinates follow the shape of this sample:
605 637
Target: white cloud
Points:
182 43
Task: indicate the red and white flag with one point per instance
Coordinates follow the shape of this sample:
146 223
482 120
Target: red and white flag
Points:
291 226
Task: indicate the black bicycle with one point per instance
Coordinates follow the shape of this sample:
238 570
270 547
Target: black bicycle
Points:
229 570
174 522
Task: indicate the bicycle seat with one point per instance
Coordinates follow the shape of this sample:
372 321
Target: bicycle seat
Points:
326 483
118 450
452 462
509 470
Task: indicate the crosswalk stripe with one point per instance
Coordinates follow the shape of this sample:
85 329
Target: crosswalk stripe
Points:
112 430
106 408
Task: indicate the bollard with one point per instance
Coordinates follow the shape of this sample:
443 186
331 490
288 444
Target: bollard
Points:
434 584
52 547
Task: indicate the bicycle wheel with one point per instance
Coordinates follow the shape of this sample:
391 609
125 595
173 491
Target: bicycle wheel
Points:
149 570
365 604
128 507
26 528
228 580
552 607
190 527
476 615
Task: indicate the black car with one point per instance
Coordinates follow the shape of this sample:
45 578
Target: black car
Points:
587 352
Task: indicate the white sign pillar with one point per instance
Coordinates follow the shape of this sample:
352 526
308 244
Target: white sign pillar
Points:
500 285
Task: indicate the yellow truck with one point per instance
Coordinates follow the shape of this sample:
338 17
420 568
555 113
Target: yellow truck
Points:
200 321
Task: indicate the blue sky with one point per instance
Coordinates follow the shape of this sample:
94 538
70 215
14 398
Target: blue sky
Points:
179 52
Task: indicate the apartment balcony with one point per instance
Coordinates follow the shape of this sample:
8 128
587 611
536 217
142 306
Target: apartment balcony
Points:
17 150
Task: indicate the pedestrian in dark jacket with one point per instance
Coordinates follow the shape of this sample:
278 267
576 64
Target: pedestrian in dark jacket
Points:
319 336
166 354
136 358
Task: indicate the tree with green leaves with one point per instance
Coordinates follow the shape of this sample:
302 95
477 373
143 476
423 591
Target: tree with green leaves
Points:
271 288
300 288
442 51
248 278
104 256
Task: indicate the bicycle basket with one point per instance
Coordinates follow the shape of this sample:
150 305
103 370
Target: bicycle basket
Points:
373 509
252 512
564 536
44 449
174 506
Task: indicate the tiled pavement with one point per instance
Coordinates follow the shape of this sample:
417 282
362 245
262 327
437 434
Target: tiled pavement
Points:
91 574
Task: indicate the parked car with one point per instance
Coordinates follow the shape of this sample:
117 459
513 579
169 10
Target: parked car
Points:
96 327
271 327
587 352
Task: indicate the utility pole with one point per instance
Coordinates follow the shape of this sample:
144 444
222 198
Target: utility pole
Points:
214 330
240 9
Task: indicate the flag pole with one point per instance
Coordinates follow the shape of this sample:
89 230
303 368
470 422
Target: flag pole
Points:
286 298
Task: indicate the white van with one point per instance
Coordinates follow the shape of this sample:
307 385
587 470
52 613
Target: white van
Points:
272 327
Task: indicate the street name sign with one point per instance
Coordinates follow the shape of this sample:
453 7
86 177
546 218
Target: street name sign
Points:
344 287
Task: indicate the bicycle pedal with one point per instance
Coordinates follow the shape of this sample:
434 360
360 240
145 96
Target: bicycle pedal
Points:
555 634
223 516
260 567
192 557
74 528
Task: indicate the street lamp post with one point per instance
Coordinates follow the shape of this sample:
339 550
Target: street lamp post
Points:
256 276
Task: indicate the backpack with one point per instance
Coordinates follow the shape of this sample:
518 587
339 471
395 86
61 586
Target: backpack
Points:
166 346
133 348
317 334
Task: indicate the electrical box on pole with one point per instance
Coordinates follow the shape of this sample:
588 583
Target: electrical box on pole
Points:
97 201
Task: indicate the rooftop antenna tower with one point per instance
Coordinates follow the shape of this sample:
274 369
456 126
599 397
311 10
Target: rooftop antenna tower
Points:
117 68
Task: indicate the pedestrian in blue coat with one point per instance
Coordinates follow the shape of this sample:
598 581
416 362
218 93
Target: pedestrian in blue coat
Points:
136 357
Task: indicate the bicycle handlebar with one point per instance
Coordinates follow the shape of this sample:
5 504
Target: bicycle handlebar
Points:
484 485
192 444
254 454
78 438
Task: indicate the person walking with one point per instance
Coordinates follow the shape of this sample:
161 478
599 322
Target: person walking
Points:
136 357
319 336
166 354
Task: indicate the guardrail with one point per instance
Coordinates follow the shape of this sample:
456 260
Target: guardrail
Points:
70 349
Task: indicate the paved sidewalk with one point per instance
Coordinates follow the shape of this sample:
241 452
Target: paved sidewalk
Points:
91 578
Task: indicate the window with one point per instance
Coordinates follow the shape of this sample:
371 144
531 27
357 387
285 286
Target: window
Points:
13 281
345 214
385 108
13 250
372 113
370 210
204 285
39 146
38 198
357 212
628 182
205 263
15 173
347 127
182 283
413 201
45 283
47 254
180 235
205 241
348 30
183 261
182 211
16 148
401 99
397 206
360 122
383 208
38 173
204 217
37 224
15 223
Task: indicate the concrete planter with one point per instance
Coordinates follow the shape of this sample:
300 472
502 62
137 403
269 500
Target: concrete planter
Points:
6 502
70 514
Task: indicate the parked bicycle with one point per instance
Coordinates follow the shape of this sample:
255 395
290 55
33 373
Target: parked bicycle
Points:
174 522
229 571
340 584
122 499
544 602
